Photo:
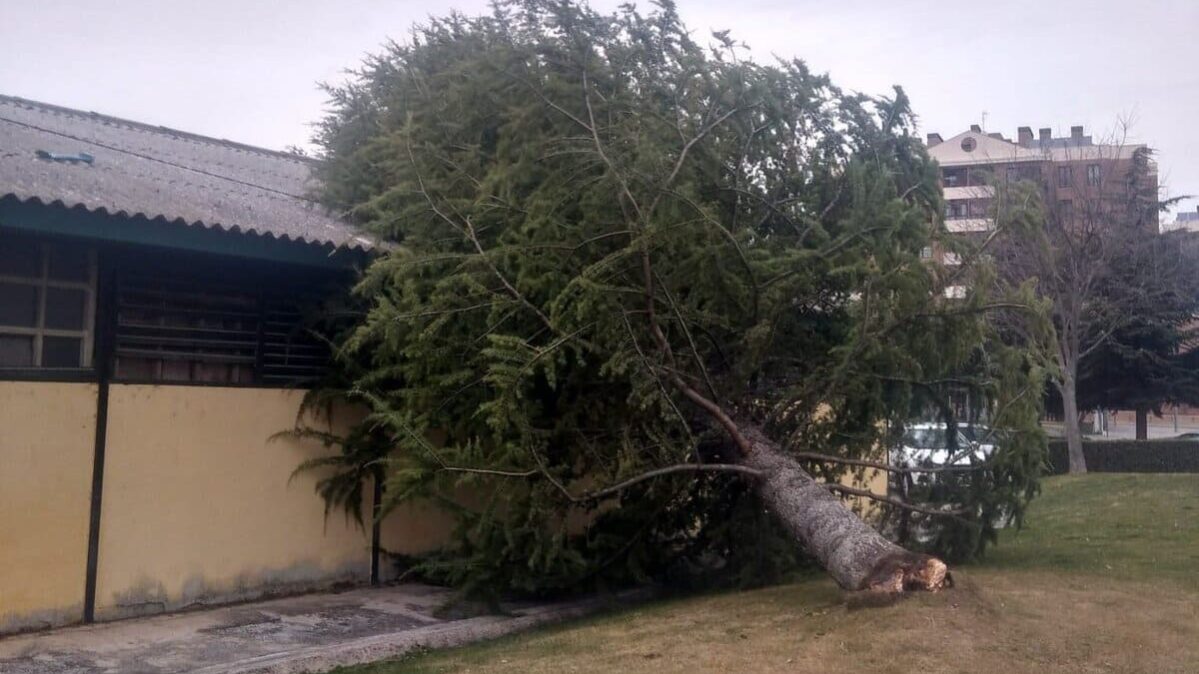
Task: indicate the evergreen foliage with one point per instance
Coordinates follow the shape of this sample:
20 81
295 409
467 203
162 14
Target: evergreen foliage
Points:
1149 361
549 176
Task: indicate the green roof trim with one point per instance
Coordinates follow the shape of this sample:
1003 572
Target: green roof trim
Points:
33 216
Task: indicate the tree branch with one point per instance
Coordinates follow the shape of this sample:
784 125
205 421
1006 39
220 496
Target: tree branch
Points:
879 465
890 500
678 468
619 486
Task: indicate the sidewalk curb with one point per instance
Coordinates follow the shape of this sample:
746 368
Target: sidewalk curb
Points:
313 659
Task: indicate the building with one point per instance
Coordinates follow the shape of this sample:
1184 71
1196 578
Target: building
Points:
155 289
1073 171
155 294
1083 183
1188 220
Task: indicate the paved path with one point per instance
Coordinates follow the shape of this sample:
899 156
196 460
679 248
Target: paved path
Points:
1124 428
311 633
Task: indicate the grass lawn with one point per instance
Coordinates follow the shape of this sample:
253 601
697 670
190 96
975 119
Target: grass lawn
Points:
1103 578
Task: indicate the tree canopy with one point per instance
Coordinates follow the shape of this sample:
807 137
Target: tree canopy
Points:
613 247
1149 361
1119 293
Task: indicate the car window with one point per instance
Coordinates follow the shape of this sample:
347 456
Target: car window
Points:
925 438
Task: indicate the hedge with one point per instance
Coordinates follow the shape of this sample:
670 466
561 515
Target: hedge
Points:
1130 456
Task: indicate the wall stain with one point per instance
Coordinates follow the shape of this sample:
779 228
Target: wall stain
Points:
15 623
149 597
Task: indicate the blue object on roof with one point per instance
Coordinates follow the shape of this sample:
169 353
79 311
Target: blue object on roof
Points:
71 158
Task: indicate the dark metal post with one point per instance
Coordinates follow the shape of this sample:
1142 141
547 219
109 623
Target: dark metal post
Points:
376 508
102 355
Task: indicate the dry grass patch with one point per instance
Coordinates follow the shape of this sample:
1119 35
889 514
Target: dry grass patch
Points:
990 624
1044 603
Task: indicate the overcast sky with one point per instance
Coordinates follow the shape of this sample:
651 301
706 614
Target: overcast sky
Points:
246 69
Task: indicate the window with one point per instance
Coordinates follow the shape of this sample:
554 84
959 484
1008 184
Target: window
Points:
178 330
1065 209
172 327
954 177
1093 175
174 318
958 208
979 177
1013 174
47 304
926 253
291 353
1065 176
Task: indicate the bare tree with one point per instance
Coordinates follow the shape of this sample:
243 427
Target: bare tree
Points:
1086 238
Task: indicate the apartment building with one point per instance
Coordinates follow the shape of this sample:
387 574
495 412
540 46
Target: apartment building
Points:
1186 220
1076 173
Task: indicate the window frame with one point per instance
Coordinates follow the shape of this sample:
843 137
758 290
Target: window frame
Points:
957 209
43 283
272 289
1065 176
284 358
1065 209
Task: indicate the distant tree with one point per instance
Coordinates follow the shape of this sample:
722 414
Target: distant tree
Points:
640 289
1149 362
1095 257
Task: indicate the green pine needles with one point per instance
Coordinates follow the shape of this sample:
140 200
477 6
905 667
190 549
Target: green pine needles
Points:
602 229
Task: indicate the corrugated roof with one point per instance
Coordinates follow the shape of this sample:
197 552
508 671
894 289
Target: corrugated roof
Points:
140 169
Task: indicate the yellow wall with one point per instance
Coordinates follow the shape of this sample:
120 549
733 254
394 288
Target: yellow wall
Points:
47 436
870 479
198 507
412 529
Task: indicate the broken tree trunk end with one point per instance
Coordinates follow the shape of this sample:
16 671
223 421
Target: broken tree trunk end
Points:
853 553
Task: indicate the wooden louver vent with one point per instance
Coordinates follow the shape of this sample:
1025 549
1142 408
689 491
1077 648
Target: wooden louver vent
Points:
291 352
202 330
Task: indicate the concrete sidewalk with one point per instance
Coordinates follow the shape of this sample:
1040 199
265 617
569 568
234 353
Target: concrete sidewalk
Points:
310 633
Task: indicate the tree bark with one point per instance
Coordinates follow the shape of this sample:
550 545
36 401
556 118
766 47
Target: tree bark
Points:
1142 423
852 552
1077 460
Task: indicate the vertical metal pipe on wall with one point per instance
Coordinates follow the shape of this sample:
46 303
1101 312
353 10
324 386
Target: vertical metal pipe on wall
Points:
105 316
376 508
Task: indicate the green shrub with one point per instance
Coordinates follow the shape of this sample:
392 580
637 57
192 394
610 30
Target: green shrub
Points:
1131 456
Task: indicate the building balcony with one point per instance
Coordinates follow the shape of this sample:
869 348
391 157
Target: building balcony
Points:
974 192
966 225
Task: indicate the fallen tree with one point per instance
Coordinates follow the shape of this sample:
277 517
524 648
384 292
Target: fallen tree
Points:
856 555
615 248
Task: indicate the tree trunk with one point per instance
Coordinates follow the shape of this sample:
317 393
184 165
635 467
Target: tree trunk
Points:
1078 461
1142 423
852 552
